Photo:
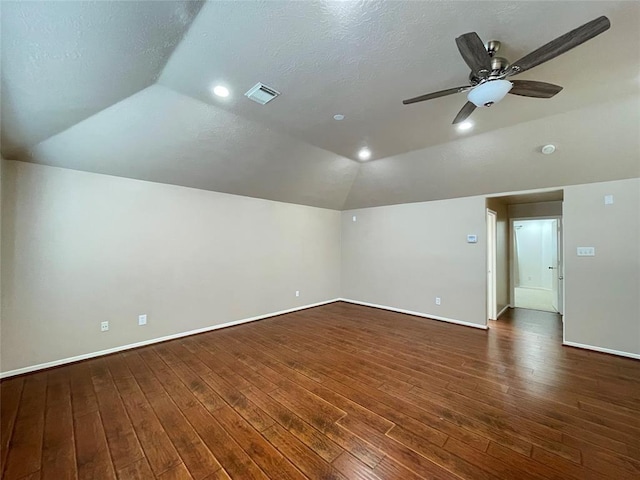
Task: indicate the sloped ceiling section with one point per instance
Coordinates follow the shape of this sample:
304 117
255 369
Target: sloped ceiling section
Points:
164 136
124 88
597 143
65 61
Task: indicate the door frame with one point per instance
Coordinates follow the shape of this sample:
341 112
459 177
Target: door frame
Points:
492 264
512 286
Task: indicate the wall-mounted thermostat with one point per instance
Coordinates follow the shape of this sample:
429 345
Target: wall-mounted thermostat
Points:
472 238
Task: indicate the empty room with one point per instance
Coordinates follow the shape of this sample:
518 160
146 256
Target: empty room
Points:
346 240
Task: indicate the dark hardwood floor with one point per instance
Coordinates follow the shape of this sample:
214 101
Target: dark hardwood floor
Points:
334 392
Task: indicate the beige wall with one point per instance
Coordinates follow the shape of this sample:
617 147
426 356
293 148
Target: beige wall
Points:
403 256
602 306
502 252
79 248
533 210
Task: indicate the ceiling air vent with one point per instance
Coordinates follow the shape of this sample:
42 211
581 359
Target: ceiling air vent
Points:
261 94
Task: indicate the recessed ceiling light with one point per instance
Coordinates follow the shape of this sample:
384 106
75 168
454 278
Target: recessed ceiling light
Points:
466 125
364 154
548 149
221 91
338 116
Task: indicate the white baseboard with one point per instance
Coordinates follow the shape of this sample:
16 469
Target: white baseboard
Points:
85 356
416 314
602 350
506 307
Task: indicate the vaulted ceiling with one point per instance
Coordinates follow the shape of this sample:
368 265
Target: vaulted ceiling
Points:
124 88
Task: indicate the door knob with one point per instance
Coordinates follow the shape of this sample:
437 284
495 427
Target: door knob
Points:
551 268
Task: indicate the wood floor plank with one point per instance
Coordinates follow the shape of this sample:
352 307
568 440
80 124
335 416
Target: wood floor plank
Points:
540 470
83 397
261 451
58 455
159 450
312 465
390 469
92 452
339 391
562 418
196 456
439 456
399 451
25 449
138 470
179 472
219 475
240 403
123 442
353 469
312 438
231 456
10 393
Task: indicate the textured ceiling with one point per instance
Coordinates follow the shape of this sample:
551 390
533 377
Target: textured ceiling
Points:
63 61
124 88
361 59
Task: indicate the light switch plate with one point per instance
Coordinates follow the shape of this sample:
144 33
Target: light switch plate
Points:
586 251
472 239
608 199
142 319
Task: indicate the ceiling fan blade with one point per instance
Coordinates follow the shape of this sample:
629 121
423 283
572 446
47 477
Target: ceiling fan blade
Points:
530 88
441 93
464 112
560 45
473 52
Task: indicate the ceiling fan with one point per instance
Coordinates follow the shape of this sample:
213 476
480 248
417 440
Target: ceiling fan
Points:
488 84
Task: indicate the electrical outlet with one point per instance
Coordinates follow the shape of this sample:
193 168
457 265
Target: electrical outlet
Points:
438 301
297 293
104 326
142 319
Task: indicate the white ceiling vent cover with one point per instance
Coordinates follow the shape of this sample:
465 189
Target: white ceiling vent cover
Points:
261 94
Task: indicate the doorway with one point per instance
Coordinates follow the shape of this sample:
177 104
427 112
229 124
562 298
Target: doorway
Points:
492 304
537 263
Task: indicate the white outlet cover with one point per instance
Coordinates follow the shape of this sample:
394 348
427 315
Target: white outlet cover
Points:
104 326
142 319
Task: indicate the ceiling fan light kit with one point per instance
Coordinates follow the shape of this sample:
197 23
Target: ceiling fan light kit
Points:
489 72
489 92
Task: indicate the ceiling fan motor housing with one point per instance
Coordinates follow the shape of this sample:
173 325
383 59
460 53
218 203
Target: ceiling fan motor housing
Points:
499 64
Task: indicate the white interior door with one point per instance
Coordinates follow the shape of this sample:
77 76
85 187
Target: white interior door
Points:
558 277
492 307
555 264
